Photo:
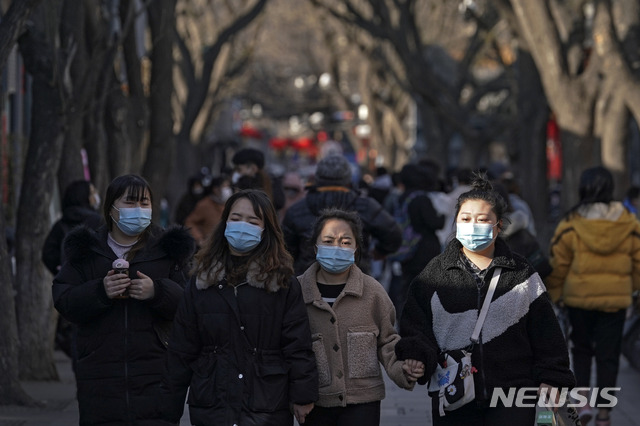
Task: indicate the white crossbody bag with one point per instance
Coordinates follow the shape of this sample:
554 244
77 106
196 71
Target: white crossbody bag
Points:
452 382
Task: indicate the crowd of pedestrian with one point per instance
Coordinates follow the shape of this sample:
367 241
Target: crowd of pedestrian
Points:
274 297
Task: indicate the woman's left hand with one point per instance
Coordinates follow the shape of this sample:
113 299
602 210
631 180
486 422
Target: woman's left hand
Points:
413 370
550 391
142 287
301 411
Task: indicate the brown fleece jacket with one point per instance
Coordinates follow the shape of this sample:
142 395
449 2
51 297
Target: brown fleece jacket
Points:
351 339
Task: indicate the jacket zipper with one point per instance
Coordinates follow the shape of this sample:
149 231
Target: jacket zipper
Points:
126 356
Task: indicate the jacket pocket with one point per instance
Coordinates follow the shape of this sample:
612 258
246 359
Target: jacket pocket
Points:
362 352
269 392
324 372
202 390
162 329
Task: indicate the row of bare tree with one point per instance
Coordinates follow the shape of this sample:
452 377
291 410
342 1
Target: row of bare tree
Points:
139 85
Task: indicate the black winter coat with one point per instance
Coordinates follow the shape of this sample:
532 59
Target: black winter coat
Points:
72 217
245 353
426 221
298 222
521 343
120 352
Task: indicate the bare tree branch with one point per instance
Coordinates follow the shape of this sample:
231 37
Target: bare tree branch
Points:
12 25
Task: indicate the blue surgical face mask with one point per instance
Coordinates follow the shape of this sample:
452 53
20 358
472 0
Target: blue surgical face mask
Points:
133 220
474 236
243 236
334 259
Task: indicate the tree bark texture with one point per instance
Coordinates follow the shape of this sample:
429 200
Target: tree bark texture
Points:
11 392
572 97
33 300
76 88
579 153
161 150
12 25
531 160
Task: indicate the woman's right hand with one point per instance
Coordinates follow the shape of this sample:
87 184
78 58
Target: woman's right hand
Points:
115 284
301 411
413 369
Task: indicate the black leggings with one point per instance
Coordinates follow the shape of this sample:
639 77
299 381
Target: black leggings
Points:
596 334
473 415
353 414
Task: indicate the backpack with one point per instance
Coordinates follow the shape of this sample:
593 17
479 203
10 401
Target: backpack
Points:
410 238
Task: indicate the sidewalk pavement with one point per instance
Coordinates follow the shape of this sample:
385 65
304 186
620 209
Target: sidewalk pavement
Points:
399 408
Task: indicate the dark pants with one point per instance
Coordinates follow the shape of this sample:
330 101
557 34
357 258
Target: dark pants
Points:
474 415
596 334
353 414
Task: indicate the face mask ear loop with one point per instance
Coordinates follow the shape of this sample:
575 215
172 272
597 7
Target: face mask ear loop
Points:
117 209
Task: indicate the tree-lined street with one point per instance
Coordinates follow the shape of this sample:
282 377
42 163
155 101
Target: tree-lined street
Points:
94 89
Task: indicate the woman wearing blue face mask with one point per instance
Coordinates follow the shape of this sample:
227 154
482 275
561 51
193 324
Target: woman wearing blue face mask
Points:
122 316
520 344
352 325
241 340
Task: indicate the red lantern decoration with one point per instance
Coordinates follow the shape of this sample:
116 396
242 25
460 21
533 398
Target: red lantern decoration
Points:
250 132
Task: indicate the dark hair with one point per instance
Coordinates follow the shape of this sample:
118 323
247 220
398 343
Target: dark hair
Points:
416 176
464 176
77 194
596 186
350 217
633 192
271 256
136 187
248 156
483 190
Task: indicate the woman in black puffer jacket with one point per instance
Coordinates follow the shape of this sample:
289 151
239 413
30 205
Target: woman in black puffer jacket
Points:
122 318
241 340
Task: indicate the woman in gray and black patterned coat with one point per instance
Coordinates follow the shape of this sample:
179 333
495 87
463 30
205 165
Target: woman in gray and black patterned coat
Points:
520 345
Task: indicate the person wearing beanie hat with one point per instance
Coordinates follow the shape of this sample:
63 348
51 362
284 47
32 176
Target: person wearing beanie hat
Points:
332 189
333 170
248 157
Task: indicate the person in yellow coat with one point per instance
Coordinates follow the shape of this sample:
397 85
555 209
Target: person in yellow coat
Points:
595 256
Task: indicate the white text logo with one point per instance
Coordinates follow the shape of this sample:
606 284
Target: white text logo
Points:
579 397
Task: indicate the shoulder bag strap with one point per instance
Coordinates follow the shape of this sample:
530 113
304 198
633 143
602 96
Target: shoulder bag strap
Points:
485 306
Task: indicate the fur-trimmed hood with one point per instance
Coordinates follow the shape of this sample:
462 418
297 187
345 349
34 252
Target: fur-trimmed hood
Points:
205 279
82 243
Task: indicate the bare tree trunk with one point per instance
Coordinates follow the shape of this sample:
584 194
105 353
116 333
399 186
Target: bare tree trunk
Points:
11 26
436 135
161 149
615 123
33 301
578 154
11 391
533 112
73 33
136 111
